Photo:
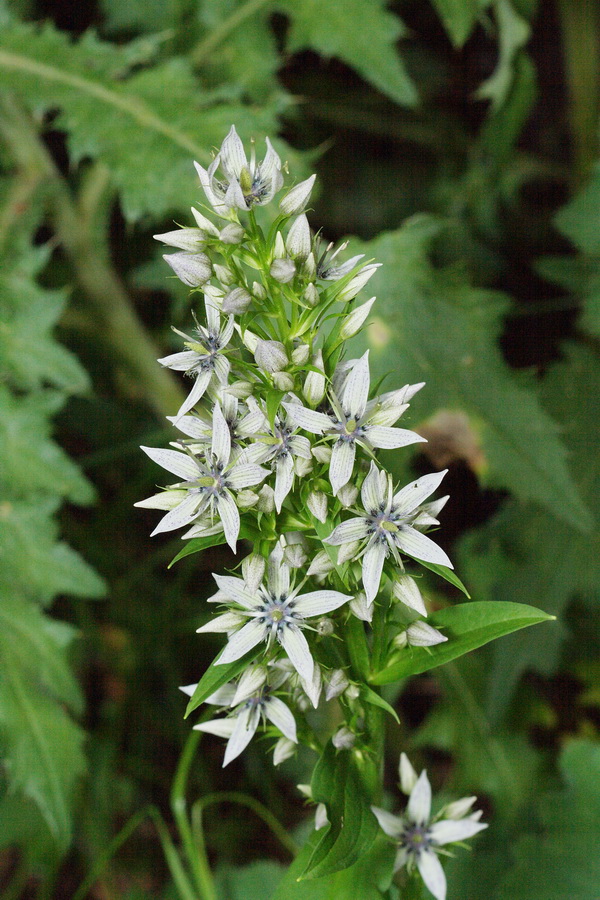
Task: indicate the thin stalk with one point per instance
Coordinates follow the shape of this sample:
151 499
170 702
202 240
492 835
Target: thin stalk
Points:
106 294
203 50
243 800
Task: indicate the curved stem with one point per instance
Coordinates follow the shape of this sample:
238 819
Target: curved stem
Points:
219 34
243 800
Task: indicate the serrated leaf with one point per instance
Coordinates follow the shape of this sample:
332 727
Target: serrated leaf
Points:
467 627
432 325
353 827
459 17
362 33
216 676
146 126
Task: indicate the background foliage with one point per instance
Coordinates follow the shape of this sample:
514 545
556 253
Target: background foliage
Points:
457 140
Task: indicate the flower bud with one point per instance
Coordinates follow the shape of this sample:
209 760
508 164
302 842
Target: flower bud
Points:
224 274
294 556
348 551
259 291
193 269
236 301
295 200
232 233
325 627
337 684
405 589
282 270
459 808
241 389
408 776
314 383
357 283
347 494
355 320
361 609
298 241
352 692
253 570
311 294
190 239
283 381
246 498
343 739
270 356
300 354
317 504
420 634
321 564
279 247
309 267
266 499
322 453
302 466
205 224
249 339
284 749
321 819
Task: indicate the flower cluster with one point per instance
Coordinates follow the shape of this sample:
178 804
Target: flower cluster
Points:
277 442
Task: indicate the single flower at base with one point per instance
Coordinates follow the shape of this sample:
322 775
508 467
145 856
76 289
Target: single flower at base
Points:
418 835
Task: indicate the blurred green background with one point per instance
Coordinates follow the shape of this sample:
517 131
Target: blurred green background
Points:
457 142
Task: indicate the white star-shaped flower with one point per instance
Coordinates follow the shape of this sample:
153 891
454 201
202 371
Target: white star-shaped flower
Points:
353 421
245 423
418 836
275 612
207 486
388 525
280 446
204 359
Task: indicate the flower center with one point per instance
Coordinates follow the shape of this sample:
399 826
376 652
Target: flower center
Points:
416 838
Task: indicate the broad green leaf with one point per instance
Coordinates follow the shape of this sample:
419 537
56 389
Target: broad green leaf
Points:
362 33
353 827
459 18
579 220
216 676
147 126
558 858
253 882
514 32
432 325
367 879
467 627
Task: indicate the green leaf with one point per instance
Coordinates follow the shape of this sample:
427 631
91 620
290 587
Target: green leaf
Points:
353 829
253 882
458 17
467 627
579 220
248 532
367 879
514 32
362 33
433 326
447 574
216 676
374 699
558 858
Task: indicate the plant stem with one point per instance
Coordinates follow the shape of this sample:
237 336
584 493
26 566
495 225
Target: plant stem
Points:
219 34
106 294
257 808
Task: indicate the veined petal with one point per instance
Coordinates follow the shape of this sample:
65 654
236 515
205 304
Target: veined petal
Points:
242 641
164 500
219 727
300 446
351 530
230 518
173 461
245 475
284 479
234 196
411 496
296 646
199 387
419 802
244 730
222 367
221 437
279 714
192 426
342 464
309 419
391 438
278 573
372 567
180 362
233 155
371 494
229 621
420 546
184 513
356 389
235 589
450 830
391 825
227 331
205 180
271 164
432 873
317 603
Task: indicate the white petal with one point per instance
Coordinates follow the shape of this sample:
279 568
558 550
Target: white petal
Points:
279 714
459 808
230 518
173 461
371 494
356 389
308 419
245 475
449 830
278 573
221 437
180 516
411 496
284 479
351 530
220 727
192 426
221 697
391 825
197 392
300 446
401 859
420 546
342 463
235 589
241 642
318 603
372 564
391 438
164 500
296 646
214 201
233 155
408 776
180 362
221 624
419 803
298 240
432 874
244 730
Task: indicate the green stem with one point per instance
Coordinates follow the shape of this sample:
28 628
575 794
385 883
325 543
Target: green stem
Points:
203 50
107 297
580 33
243 800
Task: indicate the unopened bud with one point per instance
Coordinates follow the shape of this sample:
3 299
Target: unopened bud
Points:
321 819
408 776
357 283
298 241
205 224
224 274
420 634
348 551
282 270
321 564
337 684
315 383
253 569
302 466
284 749
193 269
279 247
405 589
270 356
246 498
249 339
259 291
295 200
294 556
459 808
355 320
190 239
250 682
347 494
361 609
283 381
317 504
322 453
266 499
309 267
343 739
300 354
325 627
352 692
236 301
232 233
311 294
241 389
